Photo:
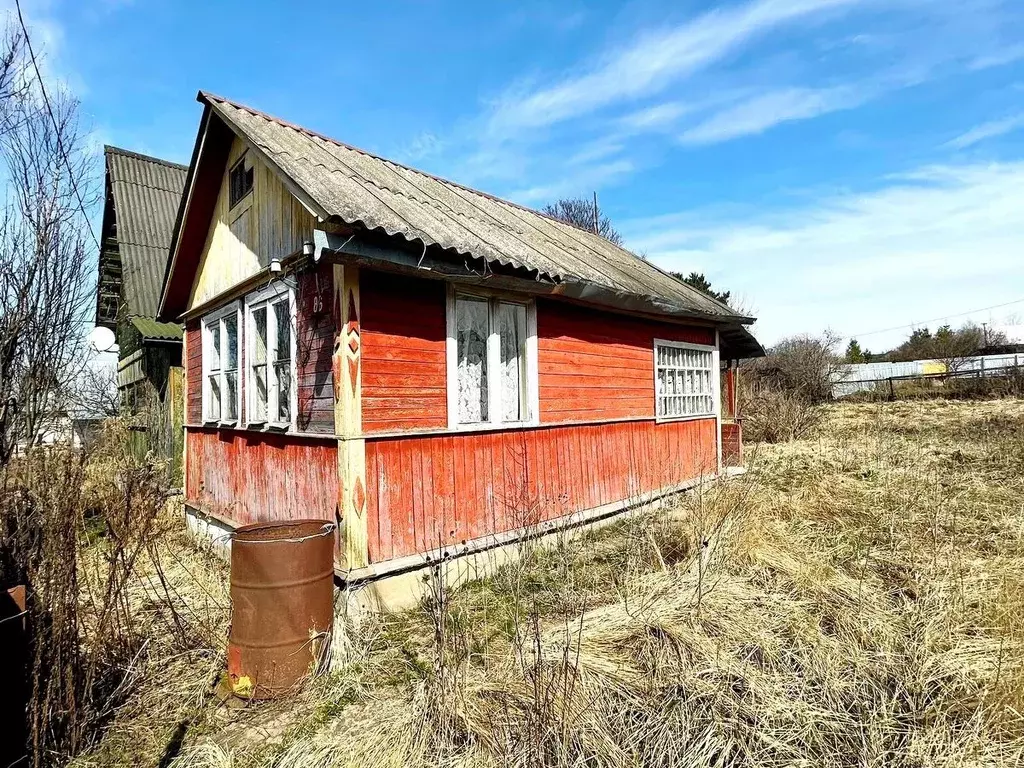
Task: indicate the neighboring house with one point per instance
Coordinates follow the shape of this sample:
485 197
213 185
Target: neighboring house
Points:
436 369
143 195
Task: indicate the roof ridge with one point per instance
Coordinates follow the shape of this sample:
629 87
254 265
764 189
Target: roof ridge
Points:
109 149
316 134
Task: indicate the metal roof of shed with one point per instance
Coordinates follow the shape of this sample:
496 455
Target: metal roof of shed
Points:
340 182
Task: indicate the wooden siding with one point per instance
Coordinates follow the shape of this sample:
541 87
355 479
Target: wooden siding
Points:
315 345
242 240
426 492
249 477
732 444
592 365
595 365
403 353
193 373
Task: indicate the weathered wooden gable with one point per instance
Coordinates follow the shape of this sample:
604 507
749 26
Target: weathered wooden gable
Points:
268 223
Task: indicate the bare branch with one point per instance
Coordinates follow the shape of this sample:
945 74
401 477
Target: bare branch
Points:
45 276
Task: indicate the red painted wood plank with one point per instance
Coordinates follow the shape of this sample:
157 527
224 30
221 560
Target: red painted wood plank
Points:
245 477
473 485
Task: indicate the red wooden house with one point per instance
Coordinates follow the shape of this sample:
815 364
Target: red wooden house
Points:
438 370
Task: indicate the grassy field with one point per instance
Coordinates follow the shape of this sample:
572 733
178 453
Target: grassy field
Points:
856 599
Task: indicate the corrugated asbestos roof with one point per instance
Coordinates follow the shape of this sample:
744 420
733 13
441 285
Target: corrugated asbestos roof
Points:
146 192
155 330
339 181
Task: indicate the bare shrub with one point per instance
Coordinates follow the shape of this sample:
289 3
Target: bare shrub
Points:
780 392
87 534
804 366
777 415
81 635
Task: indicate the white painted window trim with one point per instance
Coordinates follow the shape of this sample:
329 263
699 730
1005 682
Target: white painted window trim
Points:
493 361
210 324
266 298
715 381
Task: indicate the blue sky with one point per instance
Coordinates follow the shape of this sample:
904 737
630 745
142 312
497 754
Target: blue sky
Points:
846 164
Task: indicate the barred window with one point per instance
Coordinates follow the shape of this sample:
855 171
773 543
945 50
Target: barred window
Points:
685 379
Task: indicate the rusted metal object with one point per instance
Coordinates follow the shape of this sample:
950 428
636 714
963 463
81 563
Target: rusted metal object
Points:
13 674
282 589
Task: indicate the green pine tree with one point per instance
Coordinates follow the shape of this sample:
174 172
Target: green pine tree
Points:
854 354
698 281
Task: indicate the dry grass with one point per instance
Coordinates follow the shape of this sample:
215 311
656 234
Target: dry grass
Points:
857 599
180 604
126 616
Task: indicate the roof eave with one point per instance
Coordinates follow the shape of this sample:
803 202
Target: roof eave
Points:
186 198
433 263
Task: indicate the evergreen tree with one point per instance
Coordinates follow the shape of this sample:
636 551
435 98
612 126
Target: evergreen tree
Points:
698 281
854 354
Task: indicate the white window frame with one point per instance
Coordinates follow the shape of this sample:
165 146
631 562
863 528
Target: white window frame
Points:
266 298
715 380
493 361
214 323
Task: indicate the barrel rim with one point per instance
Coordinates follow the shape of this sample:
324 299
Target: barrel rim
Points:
303 528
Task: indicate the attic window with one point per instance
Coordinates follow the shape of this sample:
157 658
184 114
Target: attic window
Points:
241 180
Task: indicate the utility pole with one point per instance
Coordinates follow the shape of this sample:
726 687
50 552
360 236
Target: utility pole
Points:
984 332
597 216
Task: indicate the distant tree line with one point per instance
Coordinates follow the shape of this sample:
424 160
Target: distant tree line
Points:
946 344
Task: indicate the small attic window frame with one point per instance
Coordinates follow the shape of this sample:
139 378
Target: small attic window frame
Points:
241 181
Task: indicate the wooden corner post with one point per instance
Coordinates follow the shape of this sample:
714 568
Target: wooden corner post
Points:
348 420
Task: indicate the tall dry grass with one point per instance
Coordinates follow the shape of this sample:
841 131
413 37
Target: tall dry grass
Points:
857 599
89 534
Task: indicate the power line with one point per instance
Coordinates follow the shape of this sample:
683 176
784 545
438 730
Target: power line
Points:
56 128
932 320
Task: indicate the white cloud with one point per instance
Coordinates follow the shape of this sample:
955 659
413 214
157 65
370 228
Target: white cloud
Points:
987 130
651 62
654 117
582 182
599 149
999 57
422 145
759 113
944 239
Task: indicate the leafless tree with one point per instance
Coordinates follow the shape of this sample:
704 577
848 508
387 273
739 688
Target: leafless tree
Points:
804 366
96 393
580 212
957 348
45 272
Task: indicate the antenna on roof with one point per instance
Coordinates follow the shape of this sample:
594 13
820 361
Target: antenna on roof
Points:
597 216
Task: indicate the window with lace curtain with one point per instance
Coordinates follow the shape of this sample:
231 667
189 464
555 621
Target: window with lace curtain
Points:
492 360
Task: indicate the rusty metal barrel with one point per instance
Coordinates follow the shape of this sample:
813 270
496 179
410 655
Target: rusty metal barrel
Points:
282 590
